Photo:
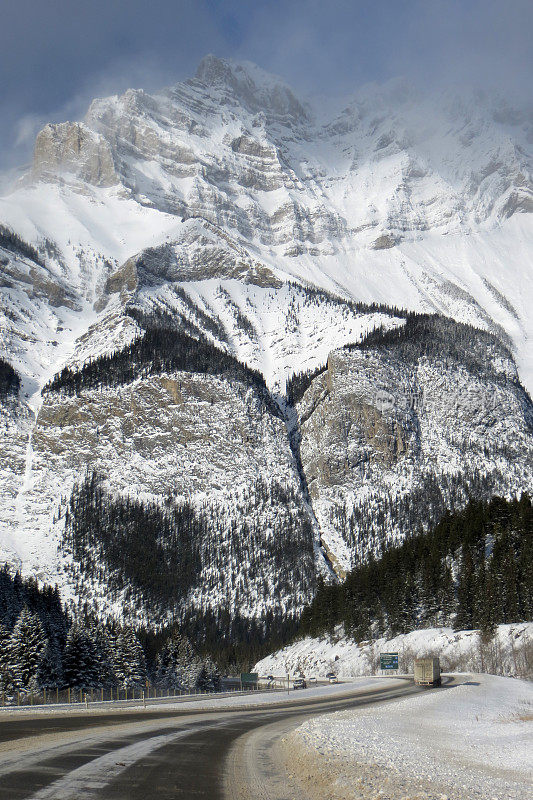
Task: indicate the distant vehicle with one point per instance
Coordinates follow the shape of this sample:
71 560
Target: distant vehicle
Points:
332 677
299 683
427 672
270 678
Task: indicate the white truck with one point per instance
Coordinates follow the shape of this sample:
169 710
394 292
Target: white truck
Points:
427 672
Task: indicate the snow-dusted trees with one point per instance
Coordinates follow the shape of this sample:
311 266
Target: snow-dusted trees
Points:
9 379
104 656
50 674
473 570
26 651
210 678
157 555
129 660
80 659
164 347
135 673
127 543
5 660
41 648
178 666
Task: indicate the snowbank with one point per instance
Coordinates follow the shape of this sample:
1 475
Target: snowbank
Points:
509 653
472 740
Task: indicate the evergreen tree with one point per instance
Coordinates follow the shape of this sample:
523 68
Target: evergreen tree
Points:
80 660
119 655
6 677
190 665
50 674
104 657
133 659
178 665
166 675
210 677
27 647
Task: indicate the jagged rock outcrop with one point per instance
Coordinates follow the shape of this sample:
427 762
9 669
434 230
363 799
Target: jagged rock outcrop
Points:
202 252
72 149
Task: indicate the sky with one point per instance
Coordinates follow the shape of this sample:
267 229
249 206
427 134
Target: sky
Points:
56 55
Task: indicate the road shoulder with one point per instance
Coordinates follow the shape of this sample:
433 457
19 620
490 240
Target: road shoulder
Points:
470 741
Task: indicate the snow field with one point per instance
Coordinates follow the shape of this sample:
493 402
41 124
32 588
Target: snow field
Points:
468 741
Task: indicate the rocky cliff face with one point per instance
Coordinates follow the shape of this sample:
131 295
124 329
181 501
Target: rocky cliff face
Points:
397 430
165 439
413 420
70 150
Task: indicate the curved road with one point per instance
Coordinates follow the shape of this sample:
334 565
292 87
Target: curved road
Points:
140 754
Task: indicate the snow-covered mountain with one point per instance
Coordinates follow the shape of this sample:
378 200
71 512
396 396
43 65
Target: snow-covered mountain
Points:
278 232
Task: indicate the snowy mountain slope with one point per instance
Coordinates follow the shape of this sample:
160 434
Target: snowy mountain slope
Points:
277 330
395 197
261 224
416 421
165 439
460 651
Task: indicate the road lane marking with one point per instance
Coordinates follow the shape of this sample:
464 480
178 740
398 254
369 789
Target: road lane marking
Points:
88 780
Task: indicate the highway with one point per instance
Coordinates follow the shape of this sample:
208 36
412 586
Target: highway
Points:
139 754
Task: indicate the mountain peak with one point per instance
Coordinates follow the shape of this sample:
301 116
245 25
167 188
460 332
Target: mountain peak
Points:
213 70
257 89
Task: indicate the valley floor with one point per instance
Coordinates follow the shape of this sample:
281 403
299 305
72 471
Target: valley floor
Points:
471 740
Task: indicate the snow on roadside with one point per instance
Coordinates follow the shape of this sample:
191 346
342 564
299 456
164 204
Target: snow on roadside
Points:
510 652
472 740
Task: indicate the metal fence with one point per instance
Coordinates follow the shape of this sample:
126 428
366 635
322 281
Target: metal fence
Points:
71 696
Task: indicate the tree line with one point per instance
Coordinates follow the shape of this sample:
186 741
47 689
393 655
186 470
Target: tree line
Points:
157 556
42 647
473 570
15 244
435 336
9 380
162 347
429 335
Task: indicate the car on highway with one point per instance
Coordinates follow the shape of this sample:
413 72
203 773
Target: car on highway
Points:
332 677
299 683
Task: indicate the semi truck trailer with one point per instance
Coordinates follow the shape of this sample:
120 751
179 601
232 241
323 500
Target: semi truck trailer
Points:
427 672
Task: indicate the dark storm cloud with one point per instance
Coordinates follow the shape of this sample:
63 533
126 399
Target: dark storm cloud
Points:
55 55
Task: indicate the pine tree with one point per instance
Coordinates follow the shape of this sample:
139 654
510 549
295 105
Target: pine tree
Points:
6 676
50 674
165 671
134 671
464 619
178 665
210 676
104 657
189 666
119 655
80 660
27 646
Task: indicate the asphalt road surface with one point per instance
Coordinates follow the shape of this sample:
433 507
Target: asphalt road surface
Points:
148 753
